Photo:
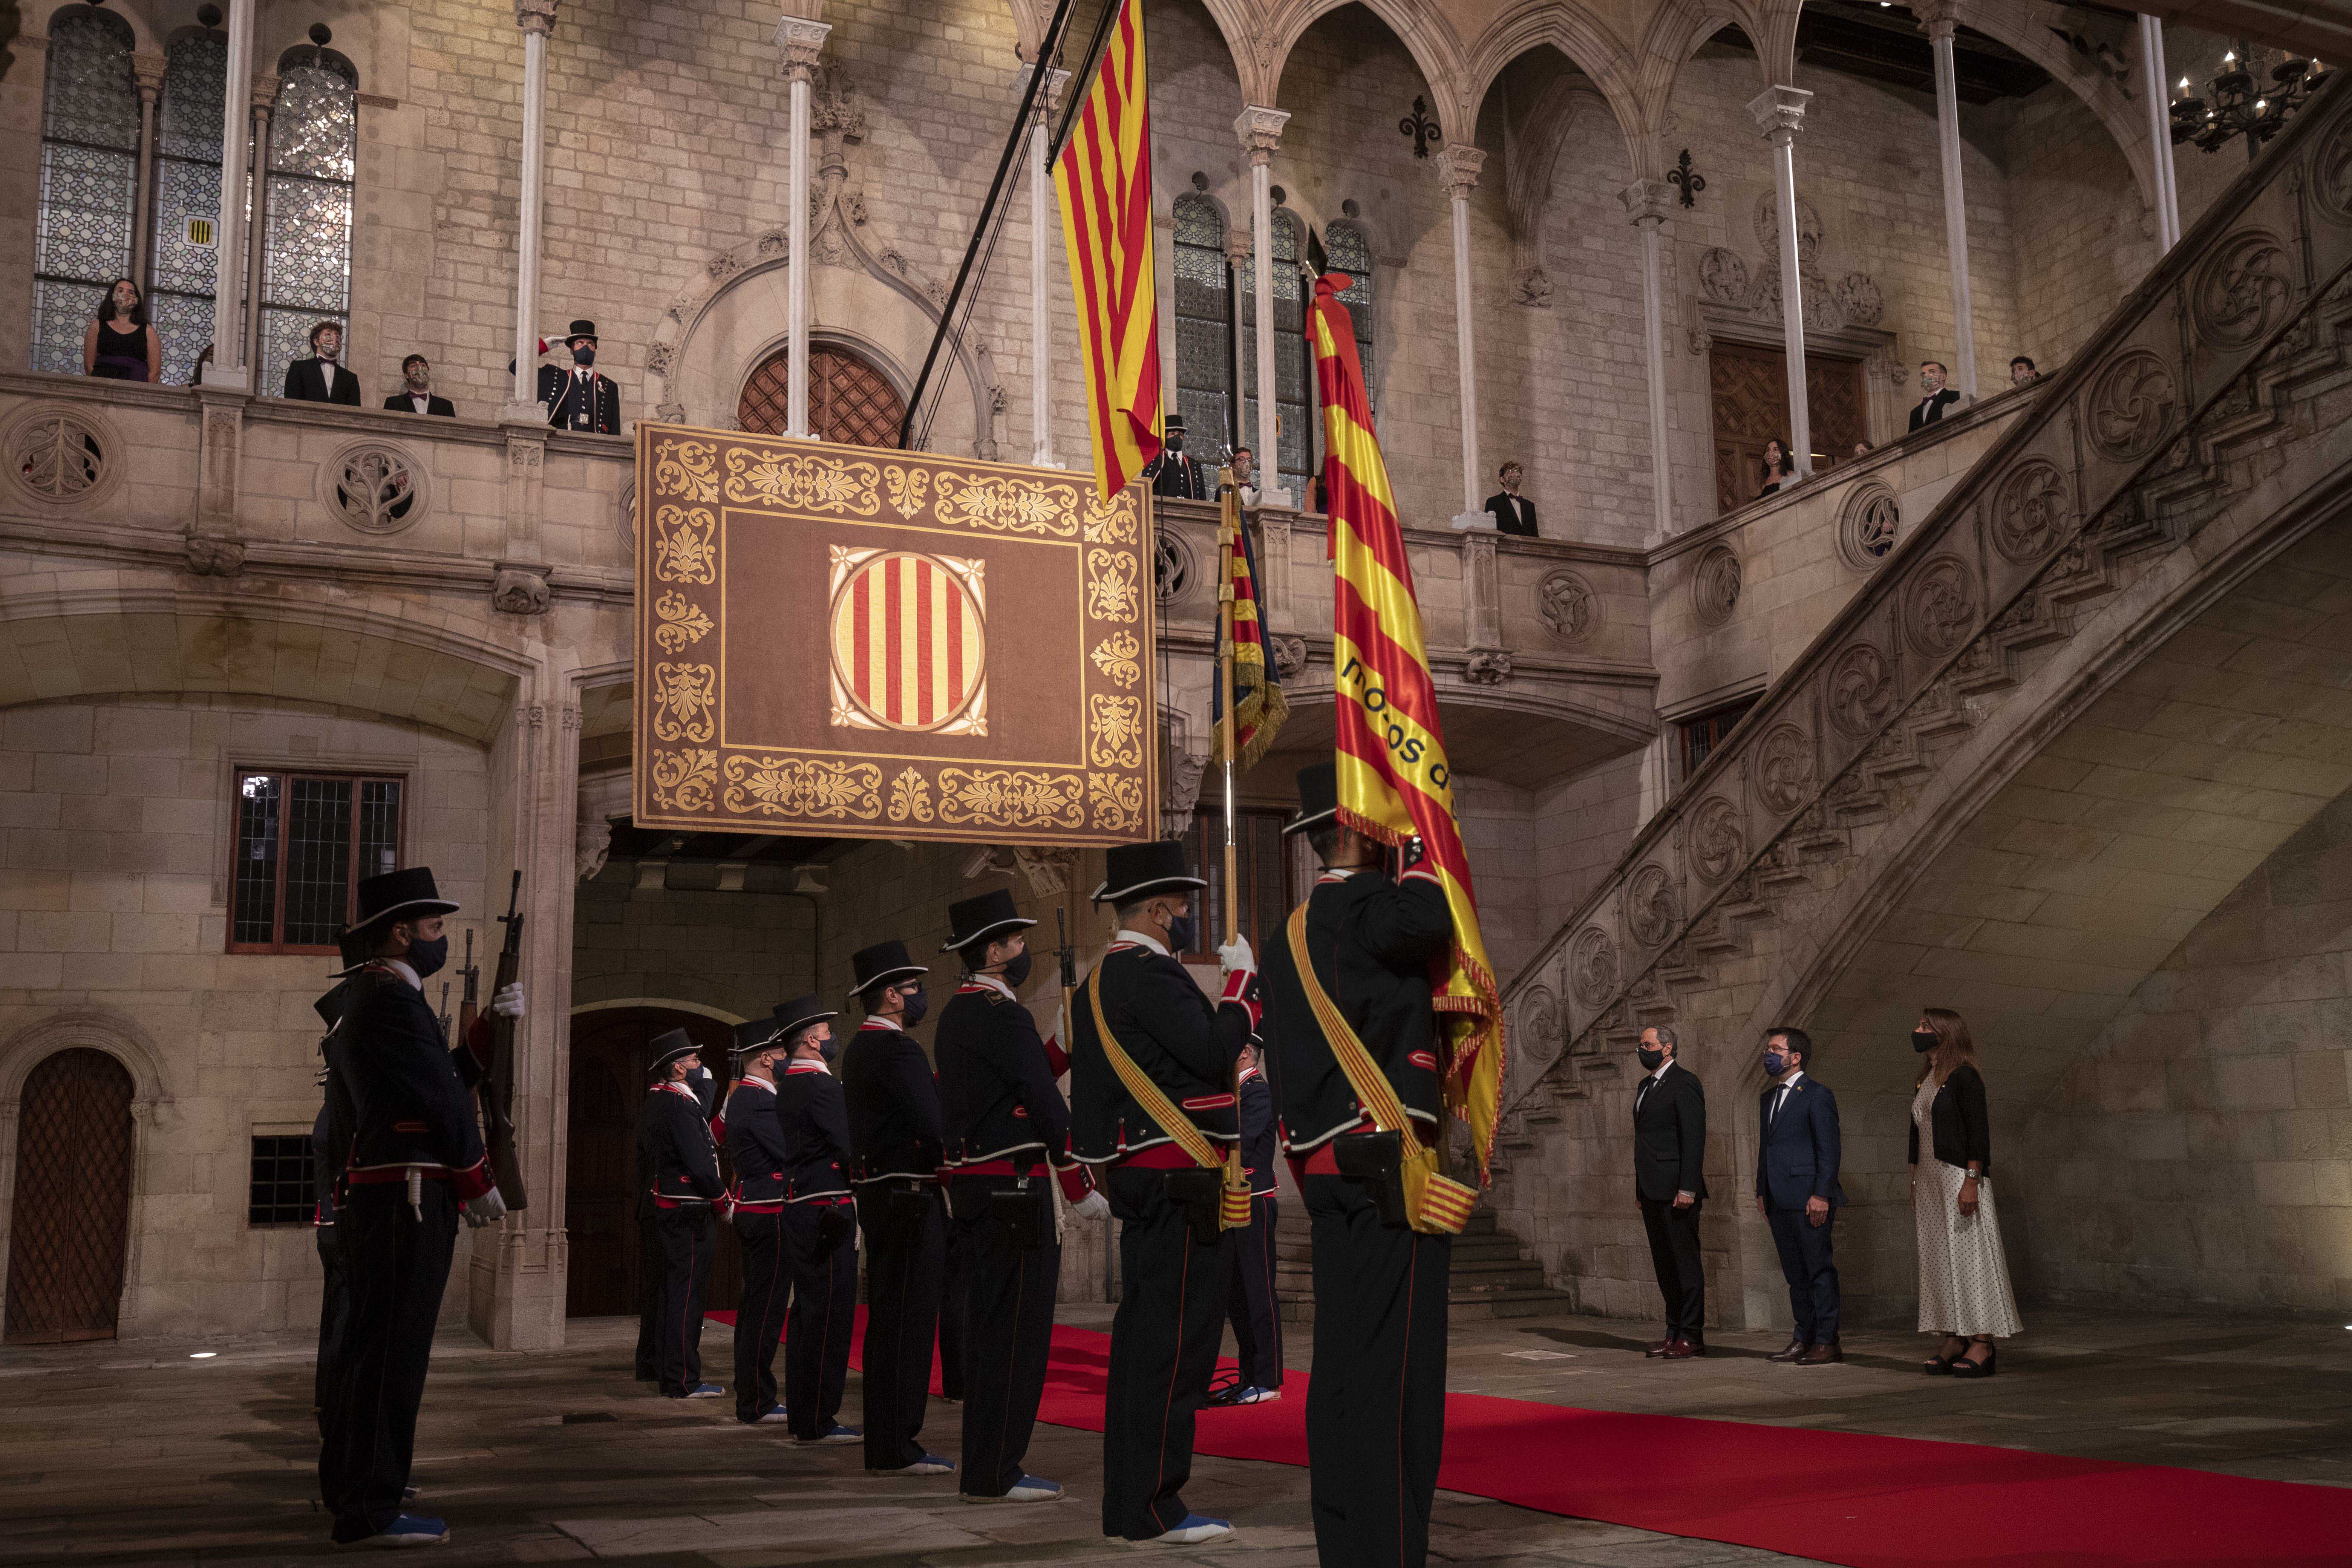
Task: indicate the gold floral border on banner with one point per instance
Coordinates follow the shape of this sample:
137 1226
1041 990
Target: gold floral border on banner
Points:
1099 784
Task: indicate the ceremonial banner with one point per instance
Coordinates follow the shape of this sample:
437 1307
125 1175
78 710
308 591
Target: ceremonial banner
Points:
1259 706
847 642
1394 780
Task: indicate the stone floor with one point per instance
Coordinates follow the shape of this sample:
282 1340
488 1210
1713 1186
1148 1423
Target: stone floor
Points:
136 1453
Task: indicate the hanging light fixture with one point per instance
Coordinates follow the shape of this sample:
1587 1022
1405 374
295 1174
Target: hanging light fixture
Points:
2237 102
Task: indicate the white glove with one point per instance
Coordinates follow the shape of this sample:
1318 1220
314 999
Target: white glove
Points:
487 1209
1094 1206
508 1003
1236 954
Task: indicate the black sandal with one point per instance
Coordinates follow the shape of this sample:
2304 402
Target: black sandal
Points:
1941 1366
1963 1367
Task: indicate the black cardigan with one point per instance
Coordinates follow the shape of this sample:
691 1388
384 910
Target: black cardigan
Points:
1963 1132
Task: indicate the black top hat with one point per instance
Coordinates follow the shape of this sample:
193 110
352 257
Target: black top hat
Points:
405 894
793 1016
884 963
753 1035
1318 797
1131 870
582 330
973 922
1173 422
668 1047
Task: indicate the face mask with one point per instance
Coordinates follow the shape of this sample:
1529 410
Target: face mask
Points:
1774 1063
1017 972
917 1005
427 957
418 377
1649 1058
1924 1040
1181 932
1175 443
583 356
329 351
829 1048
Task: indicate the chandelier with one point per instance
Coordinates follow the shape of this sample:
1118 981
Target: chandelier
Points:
2238 102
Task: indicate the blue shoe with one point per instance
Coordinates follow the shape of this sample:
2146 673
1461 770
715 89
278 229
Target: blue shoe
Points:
706 1391
928 1464
837 1432
775 1416
406 1530
1235 1393
1028 1488
1195 1530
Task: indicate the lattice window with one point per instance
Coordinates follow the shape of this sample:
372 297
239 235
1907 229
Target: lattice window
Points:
282 1190
1263 870
1294 368
306 274
303 842
89 174
1351 253
850 401
1703 734
187 184
1205 326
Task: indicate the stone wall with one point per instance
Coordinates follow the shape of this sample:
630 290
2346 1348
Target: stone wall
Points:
737 953
2083 233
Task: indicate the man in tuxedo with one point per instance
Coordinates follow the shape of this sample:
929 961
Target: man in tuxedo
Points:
1797 1191
1934 396
1245 485
579 398
416 395
2021 372
1176 472
1513 512
1669 1181
320 378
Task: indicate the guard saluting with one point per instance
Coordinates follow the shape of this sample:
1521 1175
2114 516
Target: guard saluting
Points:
674 1138
894 1134
1376 1408
1144 1117
1005 1124
416 1162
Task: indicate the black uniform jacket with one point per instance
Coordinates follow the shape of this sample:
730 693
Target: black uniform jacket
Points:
314 379
997 1096
1178 474
1371 941
1669 1137
675 1137
1182 1042
394 1082
435 403
561 394
1257 1133
789 1144
893 1105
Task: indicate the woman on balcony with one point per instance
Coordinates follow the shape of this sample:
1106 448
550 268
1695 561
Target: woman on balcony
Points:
1777 466
1964 1291
119 343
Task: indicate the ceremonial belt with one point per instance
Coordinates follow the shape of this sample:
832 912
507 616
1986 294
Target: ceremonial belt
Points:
993 1168
1434 1203
1162 1110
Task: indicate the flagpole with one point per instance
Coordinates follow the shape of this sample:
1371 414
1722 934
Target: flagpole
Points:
1228 539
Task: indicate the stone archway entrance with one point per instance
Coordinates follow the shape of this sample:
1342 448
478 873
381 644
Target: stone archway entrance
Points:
69 1227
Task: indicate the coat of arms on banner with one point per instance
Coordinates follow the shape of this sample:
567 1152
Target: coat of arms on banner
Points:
851 642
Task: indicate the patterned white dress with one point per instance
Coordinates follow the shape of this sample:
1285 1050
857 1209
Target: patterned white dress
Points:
1963 1277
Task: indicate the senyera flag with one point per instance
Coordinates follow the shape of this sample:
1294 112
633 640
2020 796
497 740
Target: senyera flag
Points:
1259 707
1103 178
1394 779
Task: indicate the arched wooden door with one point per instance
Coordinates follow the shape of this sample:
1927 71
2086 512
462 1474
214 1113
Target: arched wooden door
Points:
70 1225
611 1052
850 401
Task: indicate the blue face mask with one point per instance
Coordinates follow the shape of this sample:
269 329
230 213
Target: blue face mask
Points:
1181 930
427 957
1774 1063
917 1005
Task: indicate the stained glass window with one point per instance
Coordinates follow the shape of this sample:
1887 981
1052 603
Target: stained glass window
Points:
1294 379
1351 253
306 276
90 176
187 184
1205 325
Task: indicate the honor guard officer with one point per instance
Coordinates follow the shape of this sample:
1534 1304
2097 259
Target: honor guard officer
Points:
1006 1128
331 1150
1175 1055
674 1136
1249 1300
579 398
649 1241
1376 1408
755 1148
416 1162
894 1135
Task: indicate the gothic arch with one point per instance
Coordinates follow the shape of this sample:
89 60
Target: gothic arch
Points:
1426 35
1677 30
1585 41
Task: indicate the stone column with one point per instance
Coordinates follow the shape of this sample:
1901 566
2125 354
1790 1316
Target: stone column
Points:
1647 202
1457 167
150 71
536 21
257 244
1260 131
2159 131
800 41
1042 234
1779 112
227 367
1940 18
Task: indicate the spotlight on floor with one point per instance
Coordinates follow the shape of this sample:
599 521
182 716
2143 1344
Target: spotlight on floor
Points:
201 1355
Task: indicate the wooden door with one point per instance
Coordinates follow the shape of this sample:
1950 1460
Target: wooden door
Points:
850 401
1748 390
610 1054
70 1222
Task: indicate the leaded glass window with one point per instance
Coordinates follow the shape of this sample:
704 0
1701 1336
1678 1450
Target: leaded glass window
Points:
306 276
1205 325
1350 253
1293 369
187 184
304 843
89 179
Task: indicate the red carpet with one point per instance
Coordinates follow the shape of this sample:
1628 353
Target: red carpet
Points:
1848 1498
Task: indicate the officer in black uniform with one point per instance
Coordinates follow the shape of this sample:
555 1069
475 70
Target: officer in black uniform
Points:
1173 1258
649 1241
331 1150
1006 1128
894 1137
674 1136
579 398
1249 1300
820 1219
755 1148
1376 1408
416 1163
1176 472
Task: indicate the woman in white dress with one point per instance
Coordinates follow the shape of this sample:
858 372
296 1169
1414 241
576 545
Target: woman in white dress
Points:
1964 1293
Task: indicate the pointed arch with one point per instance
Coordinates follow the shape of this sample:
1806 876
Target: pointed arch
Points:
1584 39
1426 35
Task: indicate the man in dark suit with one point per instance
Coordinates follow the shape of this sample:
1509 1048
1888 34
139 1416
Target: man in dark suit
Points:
1176 472
1249 1297
1670 1181
320 378
1513 512
579 398
1797 1191
1934 396
416 395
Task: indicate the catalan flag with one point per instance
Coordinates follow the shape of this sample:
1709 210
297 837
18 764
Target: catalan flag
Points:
1259 707
1104 180
1394 779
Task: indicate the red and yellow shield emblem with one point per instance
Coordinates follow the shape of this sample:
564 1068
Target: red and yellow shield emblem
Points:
909 634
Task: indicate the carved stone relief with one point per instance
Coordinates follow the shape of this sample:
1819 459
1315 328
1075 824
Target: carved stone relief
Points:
2244 287
1939 606
2030 511
2132 406
1867 526
1567 606
1714 584
1718 839
372 487
1487 666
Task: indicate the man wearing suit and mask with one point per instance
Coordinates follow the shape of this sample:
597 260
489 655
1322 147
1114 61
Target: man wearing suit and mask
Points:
1249 1297
674 1135
322 378
1512 511
1935 398
579 398
1797 1191
1176 472
416 395
1670 1181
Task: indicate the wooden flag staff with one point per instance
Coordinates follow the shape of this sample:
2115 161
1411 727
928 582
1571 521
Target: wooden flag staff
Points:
1237 1196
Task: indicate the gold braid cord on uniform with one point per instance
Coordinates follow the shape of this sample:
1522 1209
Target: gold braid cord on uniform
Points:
1437 1203
1162 1110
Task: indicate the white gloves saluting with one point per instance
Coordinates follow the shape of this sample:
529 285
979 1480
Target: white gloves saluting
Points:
1094 1206
508 1003
1236 954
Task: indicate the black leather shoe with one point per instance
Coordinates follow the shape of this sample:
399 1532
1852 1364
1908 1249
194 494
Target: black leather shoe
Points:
1795 1349
1821 1355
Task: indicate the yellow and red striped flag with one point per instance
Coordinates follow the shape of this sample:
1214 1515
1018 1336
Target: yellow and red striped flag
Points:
1104 181
1394 780
1259 707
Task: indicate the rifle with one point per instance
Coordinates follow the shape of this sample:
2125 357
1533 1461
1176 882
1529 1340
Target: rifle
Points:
498 1081
469 1008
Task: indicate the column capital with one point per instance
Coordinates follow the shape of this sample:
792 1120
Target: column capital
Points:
1056 83
148 68
1260 131
1936 18
799 42
265 93
536 16
1457 169
1779 112
1237 243
1647 202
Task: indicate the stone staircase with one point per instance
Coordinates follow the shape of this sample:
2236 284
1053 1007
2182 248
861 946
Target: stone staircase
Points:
1493 1275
